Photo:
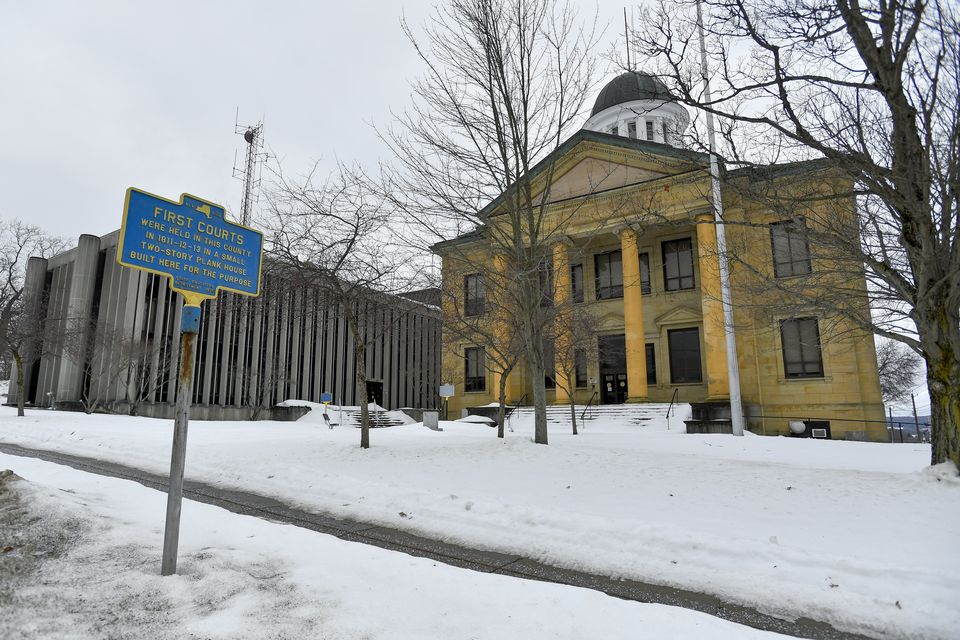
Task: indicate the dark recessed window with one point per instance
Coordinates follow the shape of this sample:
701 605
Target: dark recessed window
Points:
549 365
632 129
664 126
645 273
801 348
473 294
651 364
580 367
475 375
684 355
791 253
649 129
576 282
678 264
545 271
609 275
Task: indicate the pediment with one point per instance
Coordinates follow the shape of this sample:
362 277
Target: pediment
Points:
593 175
679 315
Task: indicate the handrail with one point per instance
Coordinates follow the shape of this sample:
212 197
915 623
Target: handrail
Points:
514 407
589 404
673 398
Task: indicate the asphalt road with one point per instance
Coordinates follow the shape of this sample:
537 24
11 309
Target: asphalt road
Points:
458 556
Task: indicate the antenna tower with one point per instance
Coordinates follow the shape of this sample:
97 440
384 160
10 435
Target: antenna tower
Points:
252 168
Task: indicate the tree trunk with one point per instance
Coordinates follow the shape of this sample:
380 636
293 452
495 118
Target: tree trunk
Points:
19 360
502 408
573 415
359 365
943 384
539 403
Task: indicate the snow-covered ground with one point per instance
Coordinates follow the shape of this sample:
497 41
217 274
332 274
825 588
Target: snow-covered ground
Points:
862 535
239 577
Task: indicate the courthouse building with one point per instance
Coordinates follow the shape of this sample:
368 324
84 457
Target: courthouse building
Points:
635 247
289 343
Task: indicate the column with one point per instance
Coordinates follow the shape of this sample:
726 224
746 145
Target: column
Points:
561 333
498 310
633 318
79 304
714 336
32 293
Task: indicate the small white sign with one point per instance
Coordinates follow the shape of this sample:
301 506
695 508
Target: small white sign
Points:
446 391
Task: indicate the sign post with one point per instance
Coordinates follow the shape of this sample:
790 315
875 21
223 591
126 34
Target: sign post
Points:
202 253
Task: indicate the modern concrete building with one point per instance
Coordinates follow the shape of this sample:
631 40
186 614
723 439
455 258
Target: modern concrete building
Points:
634 249
290 343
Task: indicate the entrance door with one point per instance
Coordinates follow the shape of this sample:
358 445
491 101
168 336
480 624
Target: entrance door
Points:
613 369
614 390
375 392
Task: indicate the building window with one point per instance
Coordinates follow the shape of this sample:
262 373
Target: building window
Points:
791 253
545 272
475 375
549 365
650 130
651 364
576 282
645 273
684 355
801 348
580 368
678 264
609 271
663 125
632 129
473 294
612 129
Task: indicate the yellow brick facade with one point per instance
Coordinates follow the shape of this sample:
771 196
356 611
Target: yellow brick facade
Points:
655 195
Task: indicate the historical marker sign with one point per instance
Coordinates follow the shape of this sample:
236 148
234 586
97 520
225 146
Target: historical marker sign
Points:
191 242
202 253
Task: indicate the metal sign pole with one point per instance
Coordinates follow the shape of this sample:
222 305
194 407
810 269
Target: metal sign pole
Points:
189 326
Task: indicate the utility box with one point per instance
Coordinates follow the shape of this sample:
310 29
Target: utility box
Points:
431 420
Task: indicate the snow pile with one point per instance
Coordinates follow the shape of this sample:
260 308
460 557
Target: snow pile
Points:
796 527
240 577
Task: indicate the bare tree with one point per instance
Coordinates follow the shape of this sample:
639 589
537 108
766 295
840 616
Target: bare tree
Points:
575 348
335 235
899 367
21 327
504 82
871 90
97 349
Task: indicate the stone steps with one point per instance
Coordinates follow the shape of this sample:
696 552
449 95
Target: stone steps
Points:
634 413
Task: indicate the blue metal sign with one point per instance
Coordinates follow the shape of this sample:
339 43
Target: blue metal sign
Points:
192 243
326 397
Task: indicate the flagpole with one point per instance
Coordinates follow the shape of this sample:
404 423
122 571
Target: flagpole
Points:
733 369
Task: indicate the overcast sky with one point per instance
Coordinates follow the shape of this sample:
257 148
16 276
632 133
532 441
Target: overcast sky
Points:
100 96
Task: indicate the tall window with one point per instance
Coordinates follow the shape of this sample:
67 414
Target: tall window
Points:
576 282
545 272
663 125
609 270
473 294
549 365
580 367
678 264
475 375
684 355
650 130
791 253
645 273
632 129
651 364
801 348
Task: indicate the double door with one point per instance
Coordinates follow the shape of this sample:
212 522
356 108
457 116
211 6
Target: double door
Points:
613 388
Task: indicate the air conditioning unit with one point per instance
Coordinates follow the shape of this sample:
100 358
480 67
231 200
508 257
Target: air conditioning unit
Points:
818 433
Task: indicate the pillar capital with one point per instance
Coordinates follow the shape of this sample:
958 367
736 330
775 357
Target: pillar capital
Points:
703 217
